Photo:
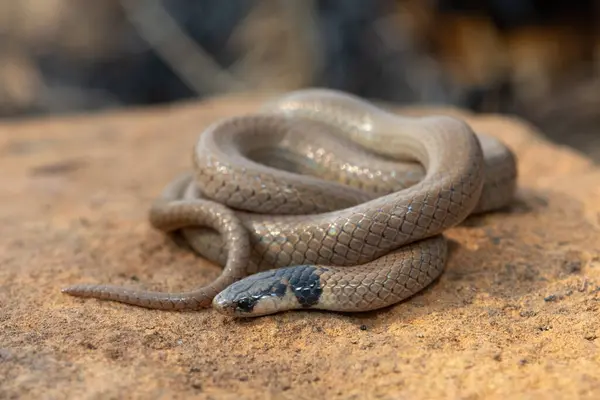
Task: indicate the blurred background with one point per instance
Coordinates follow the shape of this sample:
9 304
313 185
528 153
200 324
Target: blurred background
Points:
539 60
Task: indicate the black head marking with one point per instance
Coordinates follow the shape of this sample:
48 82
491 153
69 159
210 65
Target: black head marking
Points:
305 283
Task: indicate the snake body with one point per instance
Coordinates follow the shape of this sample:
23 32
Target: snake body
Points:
323 200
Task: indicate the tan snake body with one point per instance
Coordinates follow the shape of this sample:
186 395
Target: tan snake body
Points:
323 200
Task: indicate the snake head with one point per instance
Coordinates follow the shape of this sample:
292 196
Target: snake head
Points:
270 292
260 294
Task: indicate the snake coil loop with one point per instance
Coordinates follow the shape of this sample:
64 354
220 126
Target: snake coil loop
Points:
322 200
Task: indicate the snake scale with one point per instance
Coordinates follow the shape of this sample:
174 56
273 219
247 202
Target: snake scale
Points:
323 200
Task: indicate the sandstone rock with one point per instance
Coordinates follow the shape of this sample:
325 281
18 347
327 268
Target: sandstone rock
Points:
514 315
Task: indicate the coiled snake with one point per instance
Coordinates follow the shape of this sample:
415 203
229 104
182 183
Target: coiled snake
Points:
323 200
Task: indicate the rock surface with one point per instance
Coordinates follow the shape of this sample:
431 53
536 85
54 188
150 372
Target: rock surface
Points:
515 313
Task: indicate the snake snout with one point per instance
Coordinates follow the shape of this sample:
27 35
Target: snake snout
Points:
243 305
224 305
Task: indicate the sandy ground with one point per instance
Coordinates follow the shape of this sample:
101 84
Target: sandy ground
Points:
515 315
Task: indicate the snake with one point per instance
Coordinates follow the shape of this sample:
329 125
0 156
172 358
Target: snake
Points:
320 199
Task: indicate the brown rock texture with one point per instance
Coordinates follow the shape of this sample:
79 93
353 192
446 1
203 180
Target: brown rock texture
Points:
515 314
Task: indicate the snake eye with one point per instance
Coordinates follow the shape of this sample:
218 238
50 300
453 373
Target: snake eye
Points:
245 304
